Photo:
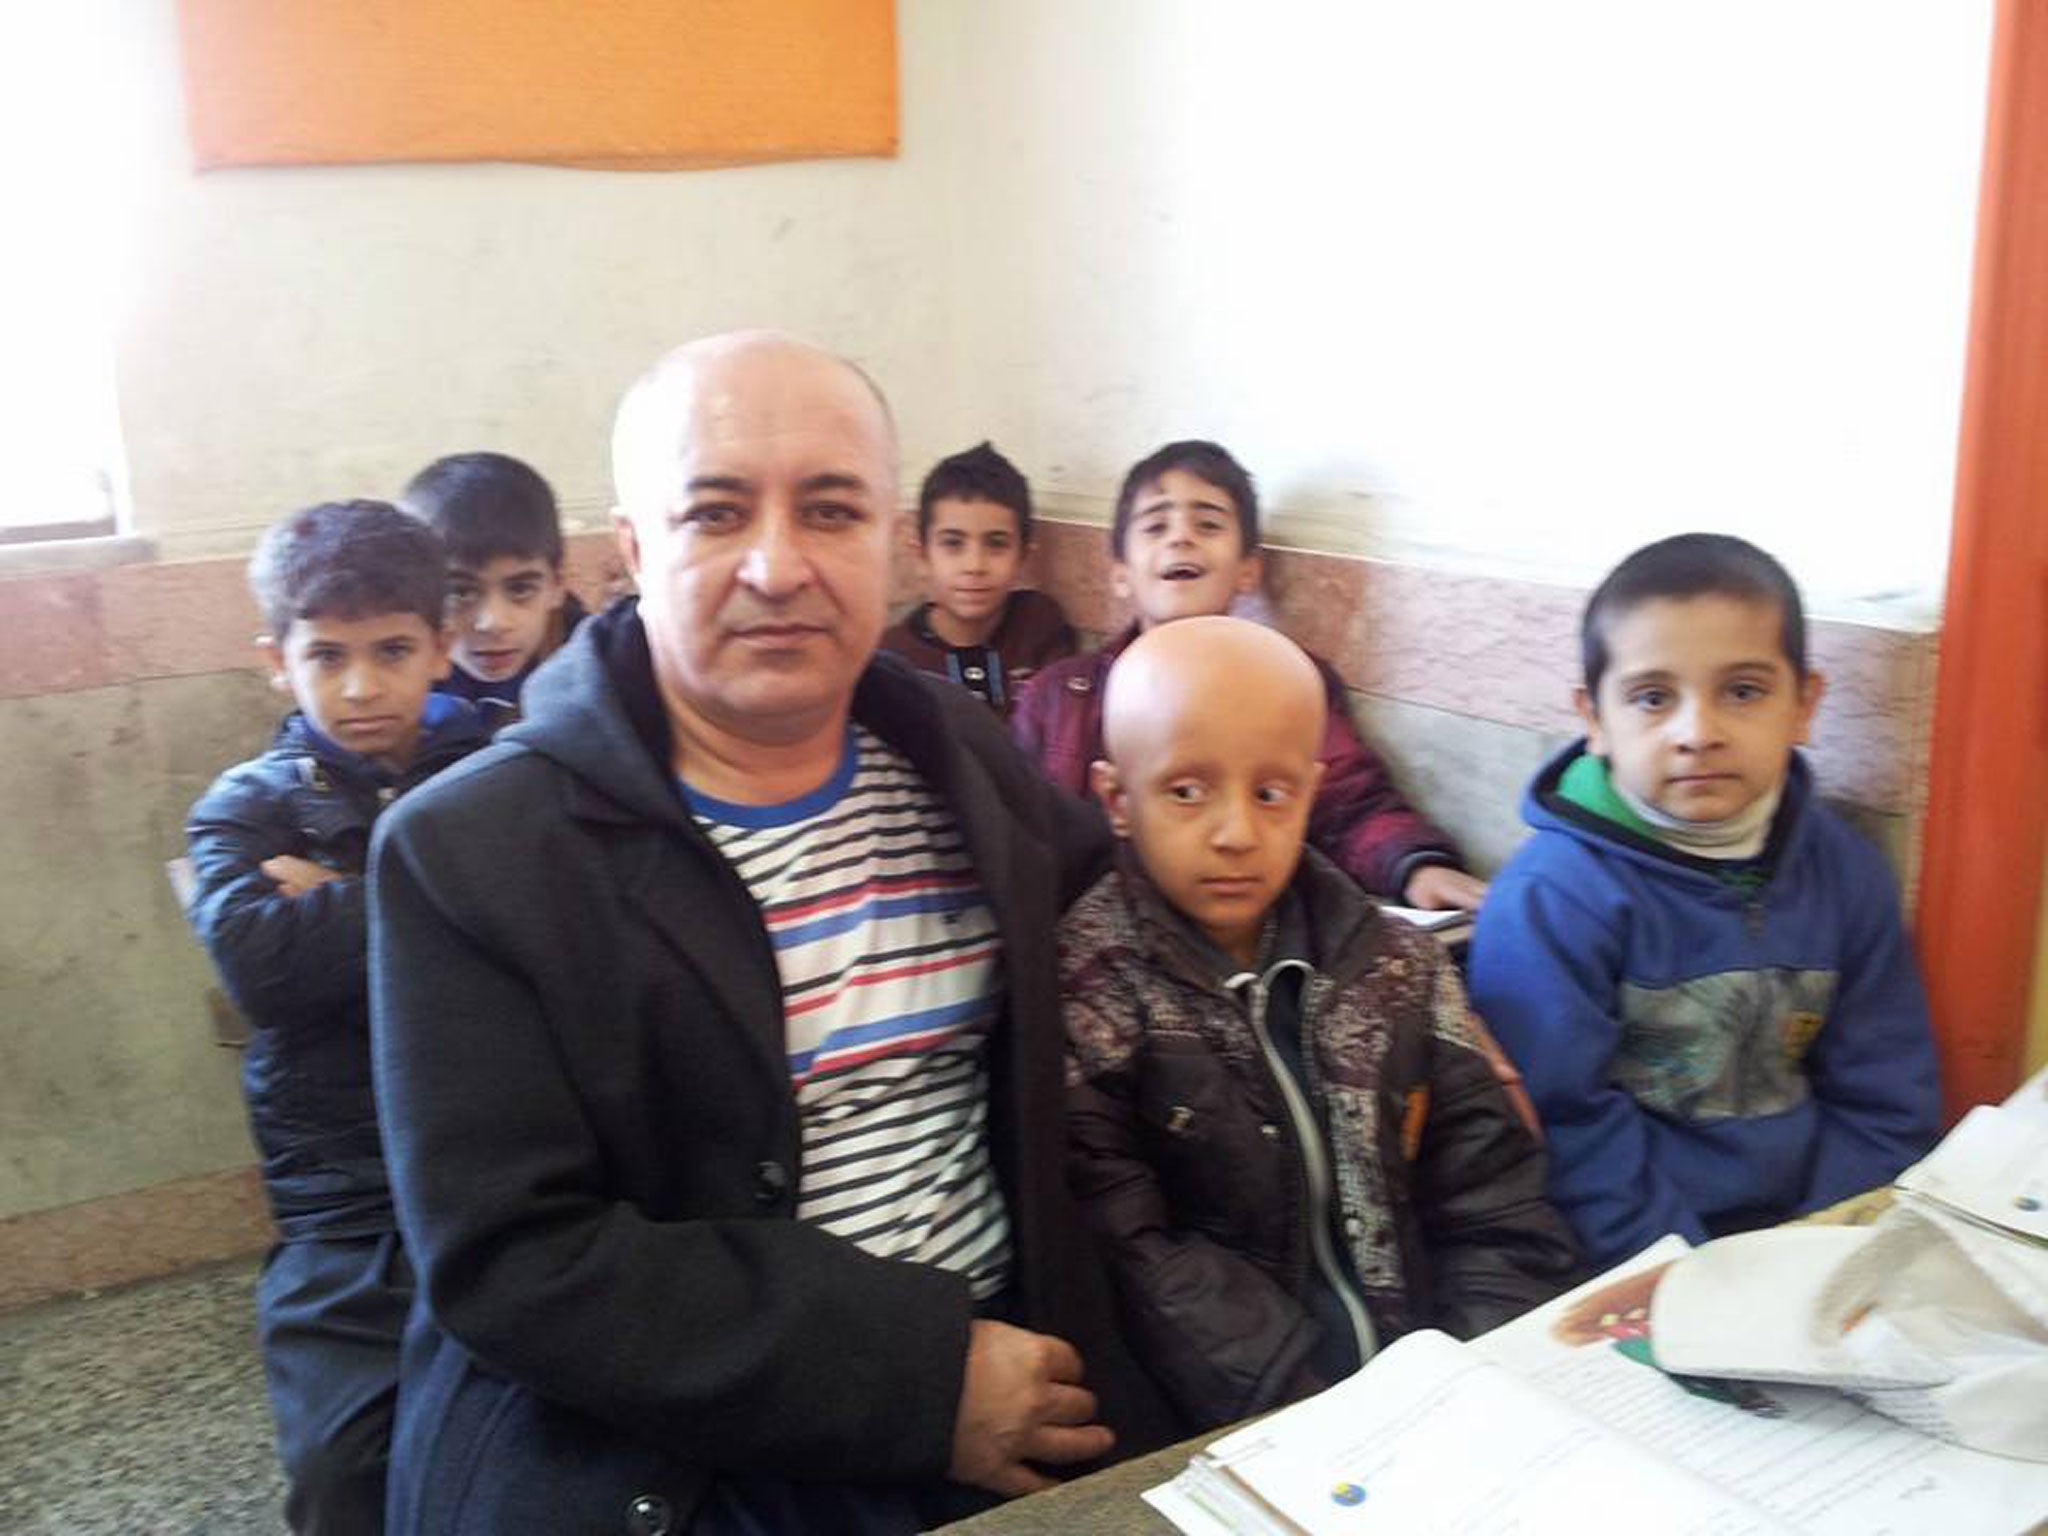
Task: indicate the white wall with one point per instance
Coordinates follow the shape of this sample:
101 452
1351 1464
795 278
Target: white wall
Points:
291 335
1495 285
1492 285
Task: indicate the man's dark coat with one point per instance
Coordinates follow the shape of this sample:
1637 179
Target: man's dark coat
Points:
595 1146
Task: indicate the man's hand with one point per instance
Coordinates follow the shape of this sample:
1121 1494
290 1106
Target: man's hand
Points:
1438 886
1021 1401
296 876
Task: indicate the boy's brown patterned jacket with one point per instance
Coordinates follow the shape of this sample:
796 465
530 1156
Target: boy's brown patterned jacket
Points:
1192 1170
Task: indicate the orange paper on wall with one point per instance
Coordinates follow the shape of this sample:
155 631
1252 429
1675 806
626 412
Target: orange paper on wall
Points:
655 84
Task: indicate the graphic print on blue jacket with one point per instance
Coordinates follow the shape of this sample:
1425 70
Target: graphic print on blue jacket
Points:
298 966
1712 1046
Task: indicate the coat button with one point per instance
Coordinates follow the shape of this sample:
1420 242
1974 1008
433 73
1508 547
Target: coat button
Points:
1270 1131
650 1515
770 1180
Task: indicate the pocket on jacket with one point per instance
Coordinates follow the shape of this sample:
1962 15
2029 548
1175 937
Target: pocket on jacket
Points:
1219 1161
505 1462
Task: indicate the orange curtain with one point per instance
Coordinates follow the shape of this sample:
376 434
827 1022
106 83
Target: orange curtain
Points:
1987 814
654 84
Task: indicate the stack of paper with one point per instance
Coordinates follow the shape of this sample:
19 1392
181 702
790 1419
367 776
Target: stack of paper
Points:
1993 1167
1564 1421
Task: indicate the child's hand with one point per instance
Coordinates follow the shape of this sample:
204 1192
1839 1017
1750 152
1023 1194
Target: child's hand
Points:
296 876
1438 886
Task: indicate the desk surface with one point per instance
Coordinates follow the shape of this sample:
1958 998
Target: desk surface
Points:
1103 1504
1107 1503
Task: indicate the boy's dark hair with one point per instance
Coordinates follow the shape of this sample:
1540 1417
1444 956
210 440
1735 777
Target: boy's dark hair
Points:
1205 461
348 560
1692 565
487 506
976 474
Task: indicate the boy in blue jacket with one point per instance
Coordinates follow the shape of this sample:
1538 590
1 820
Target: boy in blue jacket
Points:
1700 970
509 608
353 593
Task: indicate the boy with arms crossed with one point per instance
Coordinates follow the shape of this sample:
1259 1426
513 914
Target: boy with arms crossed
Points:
352 593
1700 970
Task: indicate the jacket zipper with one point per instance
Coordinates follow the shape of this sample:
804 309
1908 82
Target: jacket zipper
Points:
1753 914
1315 1165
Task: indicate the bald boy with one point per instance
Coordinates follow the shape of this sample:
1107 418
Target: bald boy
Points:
1283 1120
1213 784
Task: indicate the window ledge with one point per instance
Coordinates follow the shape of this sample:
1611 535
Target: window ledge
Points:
75 554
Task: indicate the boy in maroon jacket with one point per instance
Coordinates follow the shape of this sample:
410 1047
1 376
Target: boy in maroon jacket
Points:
1185 542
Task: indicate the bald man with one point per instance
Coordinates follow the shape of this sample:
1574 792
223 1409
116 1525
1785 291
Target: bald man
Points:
716 1036
1284 1122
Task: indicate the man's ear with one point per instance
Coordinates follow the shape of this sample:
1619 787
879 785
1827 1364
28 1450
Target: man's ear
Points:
444 650
1108 786
627 537
1589 716
1811 687
1250 574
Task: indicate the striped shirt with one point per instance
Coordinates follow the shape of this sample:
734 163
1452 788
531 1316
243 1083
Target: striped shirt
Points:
891 972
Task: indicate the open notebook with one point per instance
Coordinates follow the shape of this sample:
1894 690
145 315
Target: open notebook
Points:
1559 1422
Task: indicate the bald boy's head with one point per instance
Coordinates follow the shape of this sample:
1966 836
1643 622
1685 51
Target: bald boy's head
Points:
1214 728
1217 667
